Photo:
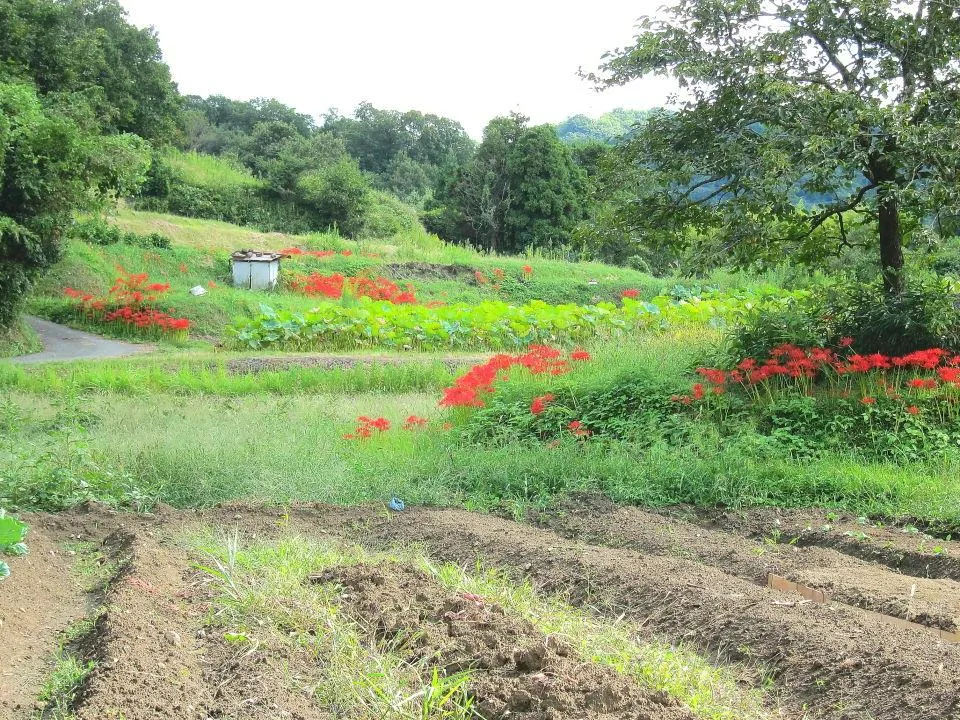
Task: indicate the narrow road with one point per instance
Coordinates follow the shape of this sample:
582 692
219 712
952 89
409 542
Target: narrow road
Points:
63 343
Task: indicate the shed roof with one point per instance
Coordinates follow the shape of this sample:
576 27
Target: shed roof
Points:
256 256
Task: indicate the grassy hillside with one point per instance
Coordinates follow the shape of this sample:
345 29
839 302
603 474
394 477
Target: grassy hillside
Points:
199 255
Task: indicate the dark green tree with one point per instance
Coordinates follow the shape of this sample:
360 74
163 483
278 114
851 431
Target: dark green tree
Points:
49 169
338 195
851 104
86 52
383 141
521 189
548 191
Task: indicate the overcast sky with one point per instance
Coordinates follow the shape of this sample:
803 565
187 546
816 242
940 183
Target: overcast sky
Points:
469 61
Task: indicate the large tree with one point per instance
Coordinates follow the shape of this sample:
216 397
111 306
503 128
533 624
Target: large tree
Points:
50 168
521 189
86 52
850 105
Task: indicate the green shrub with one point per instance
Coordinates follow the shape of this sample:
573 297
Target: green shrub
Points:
387 216
764 328
925 315
98 231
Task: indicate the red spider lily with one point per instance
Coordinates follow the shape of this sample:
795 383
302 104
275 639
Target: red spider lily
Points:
631 293
698 391
467 390
413 422
527 270
922 384
183 268
949 374
333 286
212 285
576 427
913 410
498 273
366 426
129 302
868 400
846 342
480 278
540 403
579 355
346 253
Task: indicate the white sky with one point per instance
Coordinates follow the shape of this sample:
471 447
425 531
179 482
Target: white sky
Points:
467 61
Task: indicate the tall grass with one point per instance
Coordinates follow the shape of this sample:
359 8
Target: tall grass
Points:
212 376
210 171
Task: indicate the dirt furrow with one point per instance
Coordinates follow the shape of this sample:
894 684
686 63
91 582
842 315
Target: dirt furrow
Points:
903 548
515 671
149 665
828 661
39 600
845 579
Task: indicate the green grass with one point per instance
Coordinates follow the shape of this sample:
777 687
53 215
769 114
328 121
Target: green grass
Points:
19 339
263 602
208 170
141 430
208 374
60 689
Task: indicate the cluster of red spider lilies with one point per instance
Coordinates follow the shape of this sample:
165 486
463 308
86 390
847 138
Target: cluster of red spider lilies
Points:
921 375
130 302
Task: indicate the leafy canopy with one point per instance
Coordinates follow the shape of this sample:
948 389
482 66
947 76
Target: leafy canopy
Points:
850 106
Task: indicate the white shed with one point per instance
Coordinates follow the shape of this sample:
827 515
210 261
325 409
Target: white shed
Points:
256 269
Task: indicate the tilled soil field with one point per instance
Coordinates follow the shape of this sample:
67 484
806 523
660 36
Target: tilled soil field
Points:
874 642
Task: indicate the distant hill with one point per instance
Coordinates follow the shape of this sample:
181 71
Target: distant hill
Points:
606 128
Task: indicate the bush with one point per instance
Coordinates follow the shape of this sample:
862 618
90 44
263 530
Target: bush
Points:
925 315
765 328
387 216
338 196
98 231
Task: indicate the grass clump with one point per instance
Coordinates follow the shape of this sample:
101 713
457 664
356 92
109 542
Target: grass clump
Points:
19 339
61 688
262 601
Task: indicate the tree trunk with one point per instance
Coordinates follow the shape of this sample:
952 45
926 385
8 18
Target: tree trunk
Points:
891 248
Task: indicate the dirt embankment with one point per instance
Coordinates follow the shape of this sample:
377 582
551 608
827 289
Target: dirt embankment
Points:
685 583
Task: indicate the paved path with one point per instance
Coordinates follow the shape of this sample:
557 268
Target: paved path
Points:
63 343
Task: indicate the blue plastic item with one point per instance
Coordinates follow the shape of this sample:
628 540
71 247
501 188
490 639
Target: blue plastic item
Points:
396 504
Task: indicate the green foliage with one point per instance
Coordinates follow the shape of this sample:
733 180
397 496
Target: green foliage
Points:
19 339
44 169
337 195
607 128
85 53
521 190
800 100
925 315
98 231
386 216
404 151
765 328
208 171
632 405
12 534
59 471
494 325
